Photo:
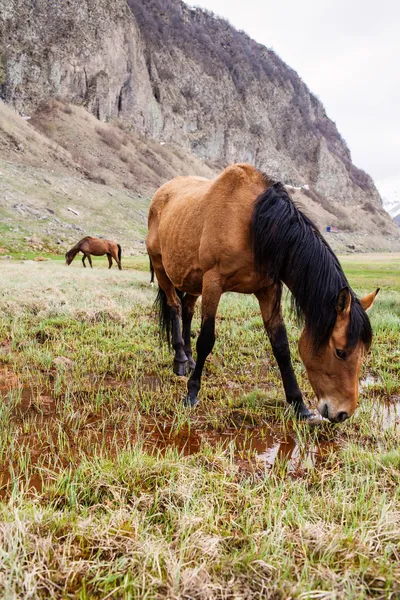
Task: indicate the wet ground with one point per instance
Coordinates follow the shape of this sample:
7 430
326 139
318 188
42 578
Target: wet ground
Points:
38 430
262 445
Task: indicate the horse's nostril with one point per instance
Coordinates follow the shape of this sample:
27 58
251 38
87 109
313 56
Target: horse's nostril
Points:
342 416
324 411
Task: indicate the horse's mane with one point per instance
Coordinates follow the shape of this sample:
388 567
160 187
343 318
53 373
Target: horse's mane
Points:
78 244
288 247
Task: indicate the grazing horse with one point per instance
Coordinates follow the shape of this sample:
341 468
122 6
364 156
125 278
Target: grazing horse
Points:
90 245
241 232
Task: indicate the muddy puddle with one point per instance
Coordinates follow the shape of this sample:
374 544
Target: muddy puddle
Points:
387 413
39 431
260 444
251 449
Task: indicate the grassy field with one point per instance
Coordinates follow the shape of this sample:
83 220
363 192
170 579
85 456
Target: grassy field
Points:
111 489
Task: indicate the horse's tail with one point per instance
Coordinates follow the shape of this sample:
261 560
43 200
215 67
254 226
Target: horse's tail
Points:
119 252
164 314
151 271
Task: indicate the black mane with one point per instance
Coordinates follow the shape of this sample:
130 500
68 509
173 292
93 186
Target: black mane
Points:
288 247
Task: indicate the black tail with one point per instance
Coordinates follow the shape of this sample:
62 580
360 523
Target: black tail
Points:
119 252
151 271
164 314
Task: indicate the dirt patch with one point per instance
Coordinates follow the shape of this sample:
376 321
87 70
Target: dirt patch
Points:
8 379
24 398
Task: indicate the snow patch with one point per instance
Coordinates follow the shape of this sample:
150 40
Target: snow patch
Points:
389 189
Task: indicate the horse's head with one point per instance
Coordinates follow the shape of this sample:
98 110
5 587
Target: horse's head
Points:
68 257
334 369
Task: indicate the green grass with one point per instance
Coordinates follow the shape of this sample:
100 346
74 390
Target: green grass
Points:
98 501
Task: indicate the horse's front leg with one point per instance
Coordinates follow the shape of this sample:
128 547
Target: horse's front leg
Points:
83 260
211 294
90 260
188 305
270 305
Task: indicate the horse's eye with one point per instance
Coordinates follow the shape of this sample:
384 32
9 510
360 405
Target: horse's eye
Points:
341 354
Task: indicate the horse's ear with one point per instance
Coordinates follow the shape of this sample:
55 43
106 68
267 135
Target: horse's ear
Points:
343 305
369 299
343 302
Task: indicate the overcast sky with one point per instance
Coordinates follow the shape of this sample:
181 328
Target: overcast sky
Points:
348 54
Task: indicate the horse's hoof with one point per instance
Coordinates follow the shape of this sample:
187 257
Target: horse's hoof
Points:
191 364
303 413
180 368
189 402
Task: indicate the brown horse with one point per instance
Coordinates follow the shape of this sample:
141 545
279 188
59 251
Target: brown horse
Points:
241 232
90 245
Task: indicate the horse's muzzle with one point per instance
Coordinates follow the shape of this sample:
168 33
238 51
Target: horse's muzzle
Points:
340 417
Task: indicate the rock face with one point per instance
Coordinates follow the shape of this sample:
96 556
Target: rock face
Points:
182 76
87 51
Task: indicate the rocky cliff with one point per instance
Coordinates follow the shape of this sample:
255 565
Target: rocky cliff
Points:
182 76
87 51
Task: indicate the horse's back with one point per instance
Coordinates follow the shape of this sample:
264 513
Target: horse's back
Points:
97 246
195 223
196 199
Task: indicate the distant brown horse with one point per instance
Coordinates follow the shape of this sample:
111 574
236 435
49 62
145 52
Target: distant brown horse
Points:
241 232
90 245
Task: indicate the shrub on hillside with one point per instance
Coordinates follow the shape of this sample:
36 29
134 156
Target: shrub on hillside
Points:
101 177
110 137
124 156
369 207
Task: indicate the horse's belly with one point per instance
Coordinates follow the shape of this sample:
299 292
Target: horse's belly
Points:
189 281
193 282
243 281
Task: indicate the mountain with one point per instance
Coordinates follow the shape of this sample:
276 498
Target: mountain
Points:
390 191
182 78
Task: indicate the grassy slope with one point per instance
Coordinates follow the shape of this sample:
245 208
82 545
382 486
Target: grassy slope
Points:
29 194
28 224
103 516
64 157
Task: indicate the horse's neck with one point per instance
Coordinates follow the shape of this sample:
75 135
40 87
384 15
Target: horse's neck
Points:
325 276
74 251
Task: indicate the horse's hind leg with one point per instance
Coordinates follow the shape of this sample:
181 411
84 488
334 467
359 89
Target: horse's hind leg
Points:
114 254
211 294
270 305
109 260
175 308
188 305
